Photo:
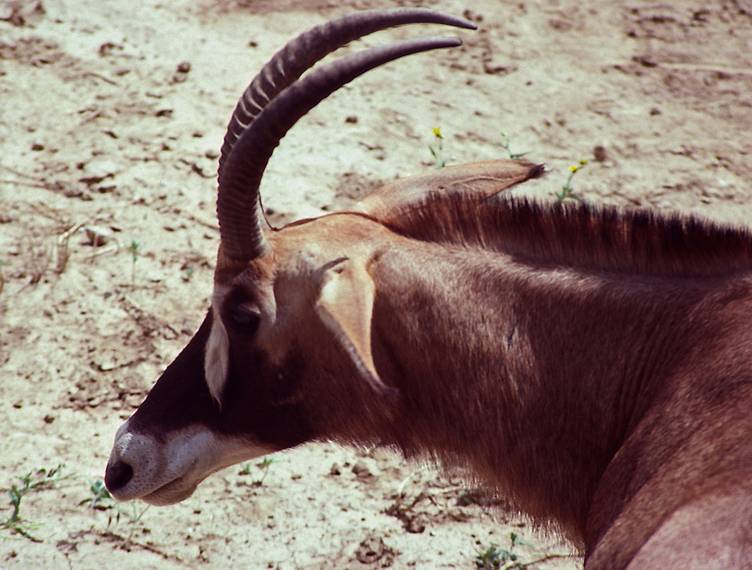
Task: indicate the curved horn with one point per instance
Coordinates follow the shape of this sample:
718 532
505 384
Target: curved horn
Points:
301 53
237 201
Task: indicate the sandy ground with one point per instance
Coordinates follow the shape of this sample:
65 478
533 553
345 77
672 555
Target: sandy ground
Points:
110 122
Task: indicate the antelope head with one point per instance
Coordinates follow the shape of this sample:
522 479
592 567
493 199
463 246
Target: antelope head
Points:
286 352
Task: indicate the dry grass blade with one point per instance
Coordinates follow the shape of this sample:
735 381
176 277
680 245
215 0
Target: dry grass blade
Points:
62 253
110 249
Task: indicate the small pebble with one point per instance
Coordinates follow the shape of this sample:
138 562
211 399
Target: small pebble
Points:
361 470
599 153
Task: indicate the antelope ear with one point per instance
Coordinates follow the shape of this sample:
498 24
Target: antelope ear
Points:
478 180
345 306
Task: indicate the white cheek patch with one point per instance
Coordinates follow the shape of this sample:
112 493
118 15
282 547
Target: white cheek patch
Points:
216 358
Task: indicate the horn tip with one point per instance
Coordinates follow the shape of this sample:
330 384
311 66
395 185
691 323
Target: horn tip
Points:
458 22
447 42
466 24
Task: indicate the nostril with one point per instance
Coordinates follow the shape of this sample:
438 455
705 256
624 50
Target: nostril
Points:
117 475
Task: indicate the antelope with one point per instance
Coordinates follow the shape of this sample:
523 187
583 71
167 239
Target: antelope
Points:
592 364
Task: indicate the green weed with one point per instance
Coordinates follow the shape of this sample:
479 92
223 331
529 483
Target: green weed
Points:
437 148
100 500
263 465
506 143
567 190
187 274
496 558
33 481
134 248
132 514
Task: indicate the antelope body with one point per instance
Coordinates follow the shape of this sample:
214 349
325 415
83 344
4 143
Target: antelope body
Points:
593 365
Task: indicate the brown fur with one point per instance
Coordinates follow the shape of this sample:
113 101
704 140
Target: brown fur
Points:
615 321
579 235
533 343
593 365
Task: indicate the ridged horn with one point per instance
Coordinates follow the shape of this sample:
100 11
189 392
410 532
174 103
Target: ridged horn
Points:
237 202
288 64
302 52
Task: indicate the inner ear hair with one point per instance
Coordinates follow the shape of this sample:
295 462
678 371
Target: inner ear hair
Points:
345 307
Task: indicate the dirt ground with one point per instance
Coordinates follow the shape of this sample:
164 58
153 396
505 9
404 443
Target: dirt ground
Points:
110 122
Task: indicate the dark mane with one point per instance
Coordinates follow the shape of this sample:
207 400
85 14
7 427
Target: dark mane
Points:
581 235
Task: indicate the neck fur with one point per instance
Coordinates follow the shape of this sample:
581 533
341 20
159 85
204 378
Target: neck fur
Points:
580 235
532 377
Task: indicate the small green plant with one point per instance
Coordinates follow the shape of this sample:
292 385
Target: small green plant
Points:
101 500
132 514
33 481
134 248
491 558
263 465
567 191
506 143
437 148
496 558
187 274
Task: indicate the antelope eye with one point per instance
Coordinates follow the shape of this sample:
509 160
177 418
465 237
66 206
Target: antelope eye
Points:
245 318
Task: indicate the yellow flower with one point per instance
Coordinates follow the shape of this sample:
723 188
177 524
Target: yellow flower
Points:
574 168
583 161
437 133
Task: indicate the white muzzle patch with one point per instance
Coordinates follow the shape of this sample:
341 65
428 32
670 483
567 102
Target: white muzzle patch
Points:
166 473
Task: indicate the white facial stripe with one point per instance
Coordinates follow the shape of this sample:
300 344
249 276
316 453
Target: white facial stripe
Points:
216 358
165 473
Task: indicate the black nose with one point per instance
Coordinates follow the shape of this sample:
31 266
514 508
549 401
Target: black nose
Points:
117 475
